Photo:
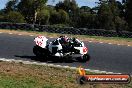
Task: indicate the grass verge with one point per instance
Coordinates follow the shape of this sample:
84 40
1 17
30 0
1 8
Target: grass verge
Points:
113 40
18 75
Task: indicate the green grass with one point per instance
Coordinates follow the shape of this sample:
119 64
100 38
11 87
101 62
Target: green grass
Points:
83 36
11 82
8 81
18 75
77 36
107 38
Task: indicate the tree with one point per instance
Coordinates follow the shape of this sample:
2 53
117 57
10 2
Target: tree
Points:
29 8
2 15
86 20
26 9
85 9
1 18
121 9
54 17
129 14
120 24
43 16
14 17
70 6
60 17
11 6
105 17
109 14
64 17
113 7
38 5
124 1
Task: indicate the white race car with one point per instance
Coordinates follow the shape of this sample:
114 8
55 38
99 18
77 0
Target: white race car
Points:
62 47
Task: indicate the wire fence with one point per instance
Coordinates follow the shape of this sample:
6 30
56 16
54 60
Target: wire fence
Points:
66 30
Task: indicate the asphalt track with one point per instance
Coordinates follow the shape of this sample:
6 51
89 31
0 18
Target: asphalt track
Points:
104 57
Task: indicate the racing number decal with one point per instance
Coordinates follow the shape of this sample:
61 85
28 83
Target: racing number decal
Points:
39 40
39 43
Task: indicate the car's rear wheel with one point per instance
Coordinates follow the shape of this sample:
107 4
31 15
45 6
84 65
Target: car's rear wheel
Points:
40 52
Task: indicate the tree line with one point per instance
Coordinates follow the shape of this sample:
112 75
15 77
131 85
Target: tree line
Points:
108 14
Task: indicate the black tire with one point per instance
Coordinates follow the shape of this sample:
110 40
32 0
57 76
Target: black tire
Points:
84 58
40 52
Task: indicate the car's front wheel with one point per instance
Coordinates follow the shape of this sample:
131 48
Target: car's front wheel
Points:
84 58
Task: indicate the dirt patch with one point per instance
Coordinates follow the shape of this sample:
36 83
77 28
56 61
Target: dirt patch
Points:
65 78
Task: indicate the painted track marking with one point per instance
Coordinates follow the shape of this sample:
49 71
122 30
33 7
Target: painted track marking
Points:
10 33
88 41
19 34
52 65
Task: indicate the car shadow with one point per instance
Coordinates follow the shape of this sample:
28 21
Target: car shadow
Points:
49 60
27 57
